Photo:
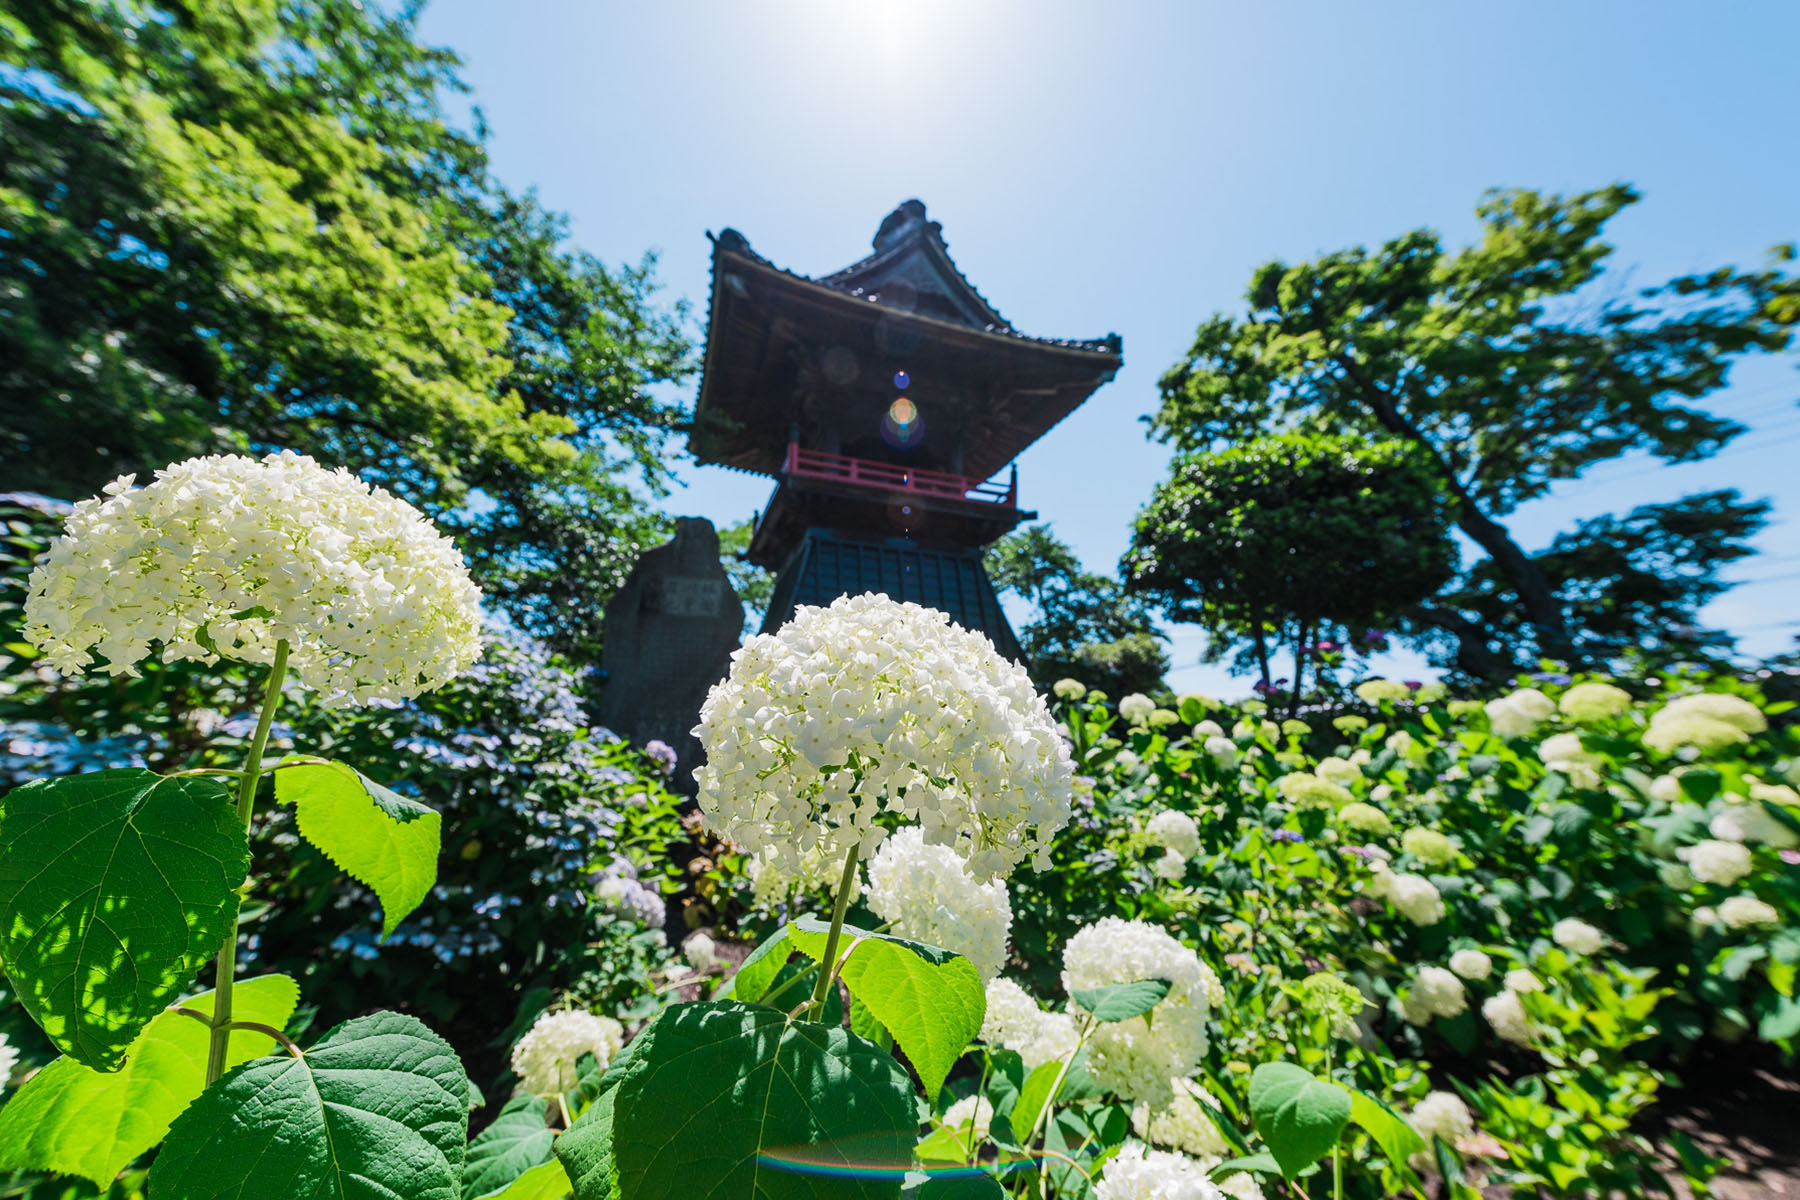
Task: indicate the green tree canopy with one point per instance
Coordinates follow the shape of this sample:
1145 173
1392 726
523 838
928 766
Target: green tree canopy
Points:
1292 537
1513 364
1084 625
247 224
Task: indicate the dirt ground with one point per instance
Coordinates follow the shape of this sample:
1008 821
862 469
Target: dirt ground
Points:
1744 1110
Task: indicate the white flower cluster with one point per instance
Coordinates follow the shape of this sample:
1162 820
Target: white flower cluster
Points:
772 884
1428 846
1518 714
1183 1123
1505 1012
1376 691
1136 1173
1069 689
9 1061
1590 702
700 951
1577 937
1175 831
1137 1058
1747 912
868 705
1137 708
545 1058
1751 822
225 556
1563 752
1714 861
1443 1116
970 1117
1435 992
1706 721
1415 896
928 895
1471 964
1015 1022
1340 771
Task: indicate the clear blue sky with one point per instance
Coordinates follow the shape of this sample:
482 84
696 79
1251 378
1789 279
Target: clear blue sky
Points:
1124 166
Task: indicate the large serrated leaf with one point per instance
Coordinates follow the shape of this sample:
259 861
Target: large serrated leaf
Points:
756 974
546 1182
722 1099
518 1140
931 1000
1297 1114
1122 1001
375 835
115 886
377 1110
79 1121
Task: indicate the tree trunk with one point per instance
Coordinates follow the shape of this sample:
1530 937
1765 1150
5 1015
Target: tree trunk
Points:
1541 608
1472 652
1262 650
1299 671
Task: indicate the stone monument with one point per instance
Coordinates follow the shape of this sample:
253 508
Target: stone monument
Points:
669 633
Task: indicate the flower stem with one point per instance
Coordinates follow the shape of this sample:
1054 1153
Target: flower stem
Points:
246 803
828 964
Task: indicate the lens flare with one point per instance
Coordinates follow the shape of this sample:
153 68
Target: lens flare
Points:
902 426
902 380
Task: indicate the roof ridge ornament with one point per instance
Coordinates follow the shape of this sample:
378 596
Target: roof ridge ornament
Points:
897 224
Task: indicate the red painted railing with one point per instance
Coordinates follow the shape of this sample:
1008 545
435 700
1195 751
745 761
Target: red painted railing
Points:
819 464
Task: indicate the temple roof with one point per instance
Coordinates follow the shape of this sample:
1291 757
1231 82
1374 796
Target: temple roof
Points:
772 335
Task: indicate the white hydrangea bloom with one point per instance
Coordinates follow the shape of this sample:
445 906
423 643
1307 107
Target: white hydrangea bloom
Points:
1222 750
1340 771
1364 819
1239 1185
1374 691
700 951
1519 713
1505 1013
1563 752
1175 830
1126 760
1069 689
928 895
818 872
1137 708
1183 1124
970 1116
1577 937
1752 823
1520 980
1435 992
1715 861
1208 729
1665 788
1416 898
545 1058
1747 912
1171 866
1136 1173
225 556
1707 721
1015 1022
1443 1116
1428 846
1306 790
1471 964
9 1061
1589 702
857 708
1137 1058
1735 711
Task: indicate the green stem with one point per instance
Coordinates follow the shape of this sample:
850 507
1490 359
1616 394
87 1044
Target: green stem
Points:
246 804
828 964
1337 1148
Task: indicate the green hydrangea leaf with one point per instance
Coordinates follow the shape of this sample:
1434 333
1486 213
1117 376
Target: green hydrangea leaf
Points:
78 1121
378 1109
724 1099
375 835
546 1182
965 1184
1299 1116
930 1000
1398 1140
115 887
1122 1001
756 974
518 1141
1034 1095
